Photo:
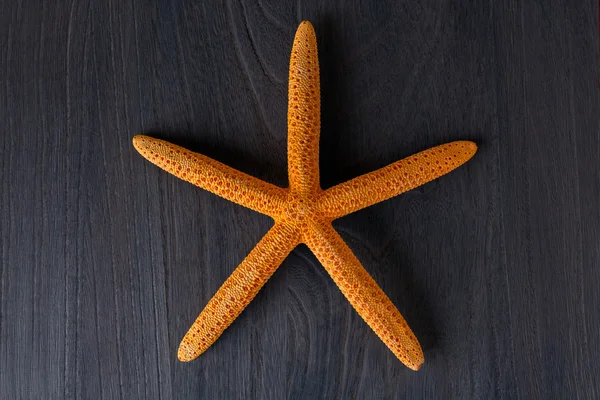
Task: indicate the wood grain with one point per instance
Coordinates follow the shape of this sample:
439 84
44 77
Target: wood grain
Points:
105 260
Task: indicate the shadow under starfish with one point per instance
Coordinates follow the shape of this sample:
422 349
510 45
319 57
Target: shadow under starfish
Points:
303 212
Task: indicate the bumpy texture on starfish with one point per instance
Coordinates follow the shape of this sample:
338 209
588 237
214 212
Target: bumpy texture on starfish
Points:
303 212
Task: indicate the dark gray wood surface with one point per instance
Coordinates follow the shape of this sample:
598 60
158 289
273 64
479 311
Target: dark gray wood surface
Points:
105 260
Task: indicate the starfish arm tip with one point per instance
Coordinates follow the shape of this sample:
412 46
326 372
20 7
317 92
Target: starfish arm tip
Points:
185 354
306 23
136 141
470 147
417 366
139 142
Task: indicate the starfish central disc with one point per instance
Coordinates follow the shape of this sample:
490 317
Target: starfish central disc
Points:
300 210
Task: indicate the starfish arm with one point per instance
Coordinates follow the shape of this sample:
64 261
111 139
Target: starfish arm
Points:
394 179
239 290
364 294
212 175
304 110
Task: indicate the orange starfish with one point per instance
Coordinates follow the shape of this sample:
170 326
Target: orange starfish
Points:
303 212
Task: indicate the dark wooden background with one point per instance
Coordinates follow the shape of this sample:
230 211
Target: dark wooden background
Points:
105 260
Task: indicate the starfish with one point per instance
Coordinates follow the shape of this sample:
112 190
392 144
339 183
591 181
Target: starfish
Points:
303 212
